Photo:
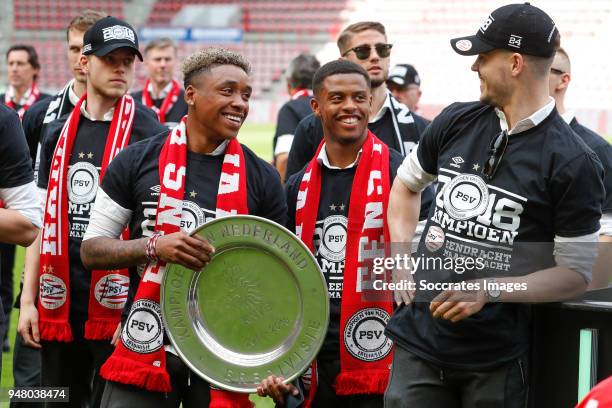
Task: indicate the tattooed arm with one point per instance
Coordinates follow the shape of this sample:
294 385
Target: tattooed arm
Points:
102 248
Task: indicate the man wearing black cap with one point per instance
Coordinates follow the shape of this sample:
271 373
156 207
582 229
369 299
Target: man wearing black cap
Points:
517 191
405 85
78 309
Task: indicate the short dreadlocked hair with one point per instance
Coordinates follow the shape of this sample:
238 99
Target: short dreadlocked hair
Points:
204 60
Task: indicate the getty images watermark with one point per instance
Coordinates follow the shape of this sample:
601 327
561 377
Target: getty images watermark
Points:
458 265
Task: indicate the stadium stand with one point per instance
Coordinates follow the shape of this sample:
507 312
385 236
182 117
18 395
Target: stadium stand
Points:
54 15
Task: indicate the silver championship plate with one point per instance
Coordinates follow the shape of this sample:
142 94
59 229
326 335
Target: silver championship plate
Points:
260 307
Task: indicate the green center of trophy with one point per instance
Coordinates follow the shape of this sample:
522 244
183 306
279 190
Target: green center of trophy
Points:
234 300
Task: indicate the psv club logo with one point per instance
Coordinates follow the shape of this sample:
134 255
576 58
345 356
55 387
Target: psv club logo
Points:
84 179
364 335
111 290
333 239
52 291
143 331
465 197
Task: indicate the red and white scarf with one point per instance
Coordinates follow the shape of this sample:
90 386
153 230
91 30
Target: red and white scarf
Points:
31 99
167 104
367 229
105 301
298 93
139 359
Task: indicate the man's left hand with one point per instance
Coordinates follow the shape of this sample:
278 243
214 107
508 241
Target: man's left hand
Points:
456 305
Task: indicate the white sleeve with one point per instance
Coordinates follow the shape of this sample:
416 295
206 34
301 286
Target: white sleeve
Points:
283 144
411 173
577 253
25 200
108 219
606 224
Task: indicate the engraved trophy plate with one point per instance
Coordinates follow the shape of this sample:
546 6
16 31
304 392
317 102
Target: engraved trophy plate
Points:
260 307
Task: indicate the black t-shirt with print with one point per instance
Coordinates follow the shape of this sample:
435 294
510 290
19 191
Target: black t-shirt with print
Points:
309 133
175 114
83 180
15 162
330 236
290 115
603 150
548 184
132 182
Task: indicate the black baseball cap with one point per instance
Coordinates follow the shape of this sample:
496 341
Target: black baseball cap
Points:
108 34
521 28
404 75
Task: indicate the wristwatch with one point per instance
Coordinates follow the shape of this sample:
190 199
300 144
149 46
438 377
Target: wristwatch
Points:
493 294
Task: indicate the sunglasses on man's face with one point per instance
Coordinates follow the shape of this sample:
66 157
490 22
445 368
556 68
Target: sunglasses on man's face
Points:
363 51
497 148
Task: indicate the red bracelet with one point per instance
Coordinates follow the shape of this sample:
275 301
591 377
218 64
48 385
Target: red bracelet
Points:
150 249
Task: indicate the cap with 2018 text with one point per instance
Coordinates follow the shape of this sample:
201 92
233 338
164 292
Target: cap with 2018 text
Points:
521 28
107 35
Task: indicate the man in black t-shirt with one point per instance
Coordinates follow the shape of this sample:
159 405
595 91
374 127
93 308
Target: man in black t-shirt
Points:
22 92
217 91
365 43
560 77
299 86
515 221
26 360
75 343
342 101
20 218
161 91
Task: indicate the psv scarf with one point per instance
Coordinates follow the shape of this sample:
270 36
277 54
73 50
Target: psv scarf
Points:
367 229
168 102
60 104
32 98
143 362
105 302
298 93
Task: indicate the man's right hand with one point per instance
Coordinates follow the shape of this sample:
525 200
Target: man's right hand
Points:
274 387
28 325
192 252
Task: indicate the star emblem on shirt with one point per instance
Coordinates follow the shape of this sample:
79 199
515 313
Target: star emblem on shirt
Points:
90 155
81 155
44 268
193 194
50 268
332 207
341 206
475 166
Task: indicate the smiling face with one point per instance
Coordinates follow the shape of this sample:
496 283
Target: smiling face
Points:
20 72
343 104
219 101
493 69
112 74
160 63
75 46
376 67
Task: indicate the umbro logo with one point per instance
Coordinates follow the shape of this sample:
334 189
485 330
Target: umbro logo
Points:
457 161
156 189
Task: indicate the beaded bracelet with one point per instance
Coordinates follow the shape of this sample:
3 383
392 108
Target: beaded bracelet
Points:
150 248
